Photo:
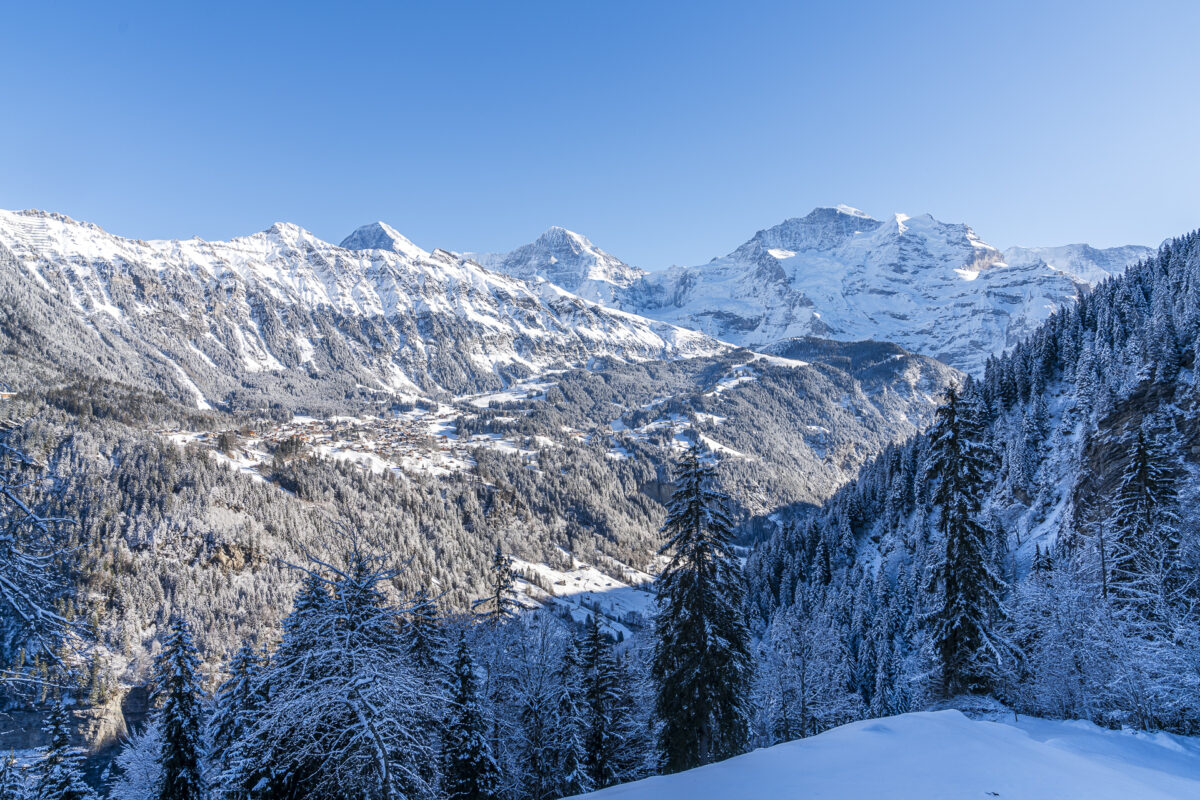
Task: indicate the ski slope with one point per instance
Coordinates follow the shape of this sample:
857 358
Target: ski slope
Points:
944 755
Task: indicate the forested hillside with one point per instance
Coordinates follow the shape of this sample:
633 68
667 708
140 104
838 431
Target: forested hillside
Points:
1039 543
221 577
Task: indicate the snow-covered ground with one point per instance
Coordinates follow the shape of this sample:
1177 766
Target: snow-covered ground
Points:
945 755
620 606
414 442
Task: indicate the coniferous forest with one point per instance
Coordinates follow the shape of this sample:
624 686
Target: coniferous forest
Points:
1036 549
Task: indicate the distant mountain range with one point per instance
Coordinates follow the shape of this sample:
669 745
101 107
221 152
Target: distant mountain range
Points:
932 287
282 317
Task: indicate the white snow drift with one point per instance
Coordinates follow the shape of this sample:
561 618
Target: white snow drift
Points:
944 755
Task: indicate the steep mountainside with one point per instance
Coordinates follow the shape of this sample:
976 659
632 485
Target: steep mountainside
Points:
283 318
1089 433
932 287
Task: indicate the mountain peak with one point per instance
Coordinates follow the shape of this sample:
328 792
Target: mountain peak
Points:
558 237
570 261
850 211
823 228
288 230
381 236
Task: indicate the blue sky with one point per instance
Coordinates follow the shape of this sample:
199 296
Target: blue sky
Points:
667 132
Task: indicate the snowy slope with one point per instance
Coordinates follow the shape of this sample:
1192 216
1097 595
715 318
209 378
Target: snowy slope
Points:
569 260
229 322
1082 262
944 755
932 287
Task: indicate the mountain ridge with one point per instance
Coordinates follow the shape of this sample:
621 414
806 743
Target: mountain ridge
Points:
234 323
840 273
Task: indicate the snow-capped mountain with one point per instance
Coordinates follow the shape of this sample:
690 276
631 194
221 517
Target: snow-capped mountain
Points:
381 236
281 316
932 287
569 260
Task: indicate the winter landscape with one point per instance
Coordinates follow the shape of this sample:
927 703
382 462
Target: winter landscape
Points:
770 497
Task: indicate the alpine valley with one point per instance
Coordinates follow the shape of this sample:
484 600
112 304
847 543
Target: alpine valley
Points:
205 416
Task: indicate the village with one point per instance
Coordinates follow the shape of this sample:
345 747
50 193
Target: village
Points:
418 441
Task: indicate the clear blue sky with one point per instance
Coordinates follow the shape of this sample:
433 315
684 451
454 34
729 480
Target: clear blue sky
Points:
667 132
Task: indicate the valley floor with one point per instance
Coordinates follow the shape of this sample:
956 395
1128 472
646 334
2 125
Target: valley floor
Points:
945 755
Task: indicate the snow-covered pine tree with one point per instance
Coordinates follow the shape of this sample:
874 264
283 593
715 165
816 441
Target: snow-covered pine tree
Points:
702 664
1145 539
469 768
258 762
31 629
180 713
339 720
571 775
424 636
60 771
237 703
136 772
602 740
425 644
502 599
13 785
967 609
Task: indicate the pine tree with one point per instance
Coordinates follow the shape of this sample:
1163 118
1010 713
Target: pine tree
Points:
470 771
503 596
1145 543
236 706
260 764
601 735
12 780
968 607
342 715
702 663
60 772
180 713
423 633
426 647
31 544
570 770
136 771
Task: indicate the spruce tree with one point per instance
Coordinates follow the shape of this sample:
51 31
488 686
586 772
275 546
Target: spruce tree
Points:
1145 543
470 771
702 662
180 701
426 648
968 606
12 780
60 772
571 772
236 706
265 761
502 599
342 715
601 735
